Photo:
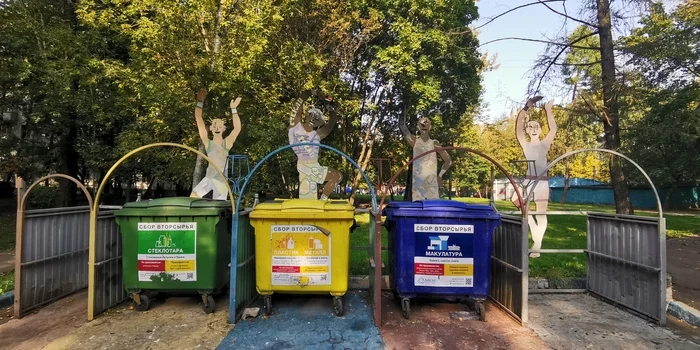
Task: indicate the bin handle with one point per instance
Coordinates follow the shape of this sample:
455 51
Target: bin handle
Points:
325 231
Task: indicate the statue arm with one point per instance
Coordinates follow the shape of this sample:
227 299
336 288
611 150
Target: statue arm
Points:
298 109
447 160
201 127
326 129
551 122
520 127
404 131
231 138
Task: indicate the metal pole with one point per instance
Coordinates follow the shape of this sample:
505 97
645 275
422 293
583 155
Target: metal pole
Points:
493 178
19 185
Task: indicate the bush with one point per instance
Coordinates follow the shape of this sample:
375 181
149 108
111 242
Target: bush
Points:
7 282
43 197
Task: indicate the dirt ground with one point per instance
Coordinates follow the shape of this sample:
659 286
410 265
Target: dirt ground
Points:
683 259
36 330
173 323
431 327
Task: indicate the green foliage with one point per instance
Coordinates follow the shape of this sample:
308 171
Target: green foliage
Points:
666 53
44 197
666 47
667 138
7 282
7 232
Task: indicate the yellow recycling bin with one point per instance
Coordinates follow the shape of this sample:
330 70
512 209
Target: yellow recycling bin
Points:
302 246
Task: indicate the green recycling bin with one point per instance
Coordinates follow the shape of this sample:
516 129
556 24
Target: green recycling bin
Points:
175 245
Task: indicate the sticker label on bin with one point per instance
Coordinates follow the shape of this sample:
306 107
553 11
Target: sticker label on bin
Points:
444 260
167 250
301 255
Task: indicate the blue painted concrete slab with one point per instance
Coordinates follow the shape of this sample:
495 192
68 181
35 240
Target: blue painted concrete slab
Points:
7 299
308 322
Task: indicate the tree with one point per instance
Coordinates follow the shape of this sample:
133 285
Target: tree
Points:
60 75
600 24
666 52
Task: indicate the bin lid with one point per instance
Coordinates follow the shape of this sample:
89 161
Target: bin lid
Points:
443 207
179 203
305 205
302 207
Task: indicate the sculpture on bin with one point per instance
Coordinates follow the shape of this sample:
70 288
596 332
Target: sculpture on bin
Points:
312 129
426 181
535 152
217 148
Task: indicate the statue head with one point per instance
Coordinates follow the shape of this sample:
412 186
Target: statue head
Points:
217 126
314 117
424 125
533 129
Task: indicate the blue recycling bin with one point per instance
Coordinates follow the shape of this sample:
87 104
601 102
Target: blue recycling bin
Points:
440 248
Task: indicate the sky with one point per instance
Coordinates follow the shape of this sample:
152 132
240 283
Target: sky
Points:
506 87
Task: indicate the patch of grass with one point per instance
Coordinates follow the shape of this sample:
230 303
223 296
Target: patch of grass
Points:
359 259
7 232
7 282
563 232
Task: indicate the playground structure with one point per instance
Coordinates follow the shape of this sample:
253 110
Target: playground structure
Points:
626 253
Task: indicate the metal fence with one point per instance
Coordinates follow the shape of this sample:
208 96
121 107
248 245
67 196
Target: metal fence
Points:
507 288
109 286
245 269
627 262
54 255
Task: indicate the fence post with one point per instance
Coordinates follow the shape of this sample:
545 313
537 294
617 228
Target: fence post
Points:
19 227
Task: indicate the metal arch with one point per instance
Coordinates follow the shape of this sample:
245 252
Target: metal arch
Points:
234 224
661 226
269 155
458 148
569 154
95 209
20 229
523 210
62 176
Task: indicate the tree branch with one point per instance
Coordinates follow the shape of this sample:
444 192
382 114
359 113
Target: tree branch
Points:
551 63
567 16
567 45
516 8
577 64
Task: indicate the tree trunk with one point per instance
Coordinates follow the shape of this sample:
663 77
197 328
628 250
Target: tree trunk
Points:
567 175
127 194
408 194
149 191
365 156
199 167
611 121
70 158
201 164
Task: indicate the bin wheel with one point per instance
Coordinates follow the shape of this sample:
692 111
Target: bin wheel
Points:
145 303
268 304
209 305
481 311
338 306
406 307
